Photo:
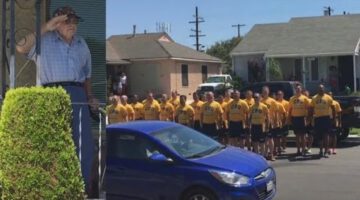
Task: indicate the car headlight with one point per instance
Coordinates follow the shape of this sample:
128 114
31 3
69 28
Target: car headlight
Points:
231 178
264 174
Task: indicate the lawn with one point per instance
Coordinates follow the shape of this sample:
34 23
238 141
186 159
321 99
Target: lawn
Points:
355 131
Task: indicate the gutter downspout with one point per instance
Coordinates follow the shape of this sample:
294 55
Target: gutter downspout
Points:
303 72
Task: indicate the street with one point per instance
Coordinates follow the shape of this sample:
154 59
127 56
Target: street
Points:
307 178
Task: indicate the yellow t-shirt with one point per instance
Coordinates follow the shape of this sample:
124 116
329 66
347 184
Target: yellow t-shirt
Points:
197 108
337 109
280 112
116 113
321 105
138 110
175 102
298 106
237 110
250 102
285 104
228 99
223 107
212 112
130 110
151 110
184 114
272 106
258 114
166 111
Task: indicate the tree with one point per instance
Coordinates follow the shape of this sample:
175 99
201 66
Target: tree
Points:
275 70
222 50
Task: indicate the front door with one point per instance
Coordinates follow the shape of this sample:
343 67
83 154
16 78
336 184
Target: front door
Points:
346 72
130 174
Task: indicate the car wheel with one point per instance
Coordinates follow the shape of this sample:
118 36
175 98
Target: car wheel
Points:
199 194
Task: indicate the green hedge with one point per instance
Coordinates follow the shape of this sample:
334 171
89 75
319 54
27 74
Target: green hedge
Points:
37 154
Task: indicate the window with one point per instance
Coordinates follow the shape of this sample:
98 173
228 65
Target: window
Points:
315 69
204 73
129 146
184 75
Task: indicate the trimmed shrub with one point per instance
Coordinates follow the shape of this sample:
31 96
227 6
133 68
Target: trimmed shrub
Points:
37 153
275 70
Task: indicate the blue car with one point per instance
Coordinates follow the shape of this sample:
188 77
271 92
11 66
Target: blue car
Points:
168 161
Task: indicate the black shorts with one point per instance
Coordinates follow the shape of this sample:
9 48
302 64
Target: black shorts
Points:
284 131
275 133
322 126
310 129
197 125
334 130
236 129
210 130
298 124
257 134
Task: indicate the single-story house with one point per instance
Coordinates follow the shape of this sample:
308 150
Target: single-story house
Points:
155 62
311 50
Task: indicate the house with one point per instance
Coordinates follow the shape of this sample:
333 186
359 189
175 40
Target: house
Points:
311 50
155 62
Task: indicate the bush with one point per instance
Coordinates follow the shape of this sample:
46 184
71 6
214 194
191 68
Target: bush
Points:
275 70
37 154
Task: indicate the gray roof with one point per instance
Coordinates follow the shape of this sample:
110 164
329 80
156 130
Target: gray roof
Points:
259 39
151 46
112 57
308 36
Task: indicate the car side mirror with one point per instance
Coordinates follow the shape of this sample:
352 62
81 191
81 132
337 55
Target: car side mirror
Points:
158 157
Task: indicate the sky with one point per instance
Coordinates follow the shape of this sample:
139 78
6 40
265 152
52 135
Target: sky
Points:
219 15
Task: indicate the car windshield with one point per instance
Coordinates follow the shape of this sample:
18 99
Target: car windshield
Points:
216 79
187 142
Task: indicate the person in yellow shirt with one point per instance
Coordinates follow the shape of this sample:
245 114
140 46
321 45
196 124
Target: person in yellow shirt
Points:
115 112
227 96
138 108
196 105
250 101
166 109
174 100
211 116
237 113
309 122
272 106
336 125
151 108
224 126
285 128
129 108
280 124
184 113
320 105
259 122
298 106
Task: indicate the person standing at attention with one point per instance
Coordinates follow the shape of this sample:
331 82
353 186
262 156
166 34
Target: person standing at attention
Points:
196 105
65 61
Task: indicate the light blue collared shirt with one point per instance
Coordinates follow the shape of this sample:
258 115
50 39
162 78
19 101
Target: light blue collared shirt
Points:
60 61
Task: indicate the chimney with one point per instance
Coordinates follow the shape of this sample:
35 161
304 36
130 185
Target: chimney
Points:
134 30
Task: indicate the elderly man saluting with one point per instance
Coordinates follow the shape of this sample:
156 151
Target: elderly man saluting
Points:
65 61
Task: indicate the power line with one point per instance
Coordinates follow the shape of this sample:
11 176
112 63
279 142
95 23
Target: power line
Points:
197 35
238 27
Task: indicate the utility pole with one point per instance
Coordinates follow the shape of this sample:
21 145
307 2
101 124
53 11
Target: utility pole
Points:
238 27
197 35
328 10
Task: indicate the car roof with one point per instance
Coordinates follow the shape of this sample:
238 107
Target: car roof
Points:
145 127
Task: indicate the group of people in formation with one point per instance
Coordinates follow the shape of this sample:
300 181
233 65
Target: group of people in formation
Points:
259 122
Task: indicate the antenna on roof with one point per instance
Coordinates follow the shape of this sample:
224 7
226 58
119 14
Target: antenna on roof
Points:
163 27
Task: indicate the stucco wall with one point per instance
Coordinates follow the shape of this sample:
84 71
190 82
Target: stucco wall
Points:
194 76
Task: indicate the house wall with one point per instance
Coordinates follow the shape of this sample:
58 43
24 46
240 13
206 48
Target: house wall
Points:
240 65
194 76
144 76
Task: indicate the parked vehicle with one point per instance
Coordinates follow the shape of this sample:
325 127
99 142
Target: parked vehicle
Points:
288 87
217 84
165 160
350 106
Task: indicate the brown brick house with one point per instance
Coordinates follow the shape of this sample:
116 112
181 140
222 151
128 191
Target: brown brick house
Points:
154 62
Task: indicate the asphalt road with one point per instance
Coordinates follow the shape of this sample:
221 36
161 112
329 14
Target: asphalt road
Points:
307 178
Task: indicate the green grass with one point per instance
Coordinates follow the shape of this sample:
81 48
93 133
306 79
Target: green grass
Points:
355 131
